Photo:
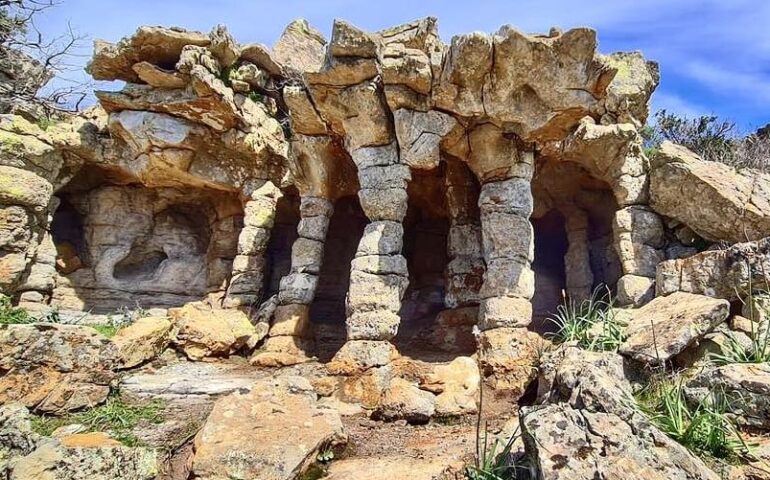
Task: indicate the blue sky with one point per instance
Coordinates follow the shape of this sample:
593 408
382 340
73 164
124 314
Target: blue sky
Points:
714 55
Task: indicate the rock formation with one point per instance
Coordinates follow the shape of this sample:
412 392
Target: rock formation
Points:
374 201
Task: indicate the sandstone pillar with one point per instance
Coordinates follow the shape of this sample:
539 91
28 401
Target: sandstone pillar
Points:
639 238
465 270
577 260
248 275
290 337
506 348
378 273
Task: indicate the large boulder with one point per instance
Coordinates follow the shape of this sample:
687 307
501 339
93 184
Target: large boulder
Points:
404 400
729 273
55 368
290 425
204 332
717 201
87 457
587 425
668 325
142 340
16 436
576 444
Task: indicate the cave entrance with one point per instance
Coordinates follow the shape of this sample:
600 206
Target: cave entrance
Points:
124 245
574 251
327 312
551 246
426 229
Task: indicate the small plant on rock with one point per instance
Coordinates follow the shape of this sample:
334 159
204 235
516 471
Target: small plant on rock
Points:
496 463
12 315
591 323
114 416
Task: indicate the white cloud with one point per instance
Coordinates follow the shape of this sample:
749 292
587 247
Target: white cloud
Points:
677 104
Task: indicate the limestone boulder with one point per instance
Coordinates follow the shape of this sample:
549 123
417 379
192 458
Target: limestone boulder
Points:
16 436
87 456
566 443
156 45
721 273
585 380
666 326
718 202
404 400
746 390
511 354
293 428
55 368
204 332
359 355
629 92
456 385
143 340
300 48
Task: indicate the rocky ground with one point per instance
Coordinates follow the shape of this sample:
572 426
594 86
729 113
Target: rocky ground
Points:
161 399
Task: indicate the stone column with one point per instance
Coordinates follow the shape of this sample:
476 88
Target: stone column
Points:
290 337
639 237
465 270
248 275
378 273
577 260
506 348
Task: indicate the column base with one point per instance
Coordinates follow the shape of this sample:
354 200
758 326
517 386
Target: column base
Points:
509 358
283 351
359 355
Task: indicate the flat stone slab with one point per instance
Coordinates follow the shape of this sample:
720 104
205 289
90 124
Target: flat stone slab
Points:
191 379
667 325
272 432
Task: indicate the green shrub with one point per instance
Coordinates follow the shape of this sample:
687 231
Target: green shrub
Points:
12 315
591 323
704 429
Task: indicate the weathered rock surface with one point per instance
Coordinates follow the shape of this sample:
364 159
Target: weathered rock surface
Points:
26 455
189 379
404 400
142 340
55 368
285 413
667 325
203 332
587 425
567 443
716 201
746 390
722 273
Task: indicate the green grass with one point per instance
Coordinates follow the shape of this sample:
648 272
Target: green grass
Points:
704 429
108 330
591 323
114 416
495 462
10 315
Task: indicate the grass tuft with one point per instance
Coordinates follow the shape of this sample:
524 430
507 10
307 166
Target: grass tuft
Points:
704 429
10 315
496 461
592 323
114 416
